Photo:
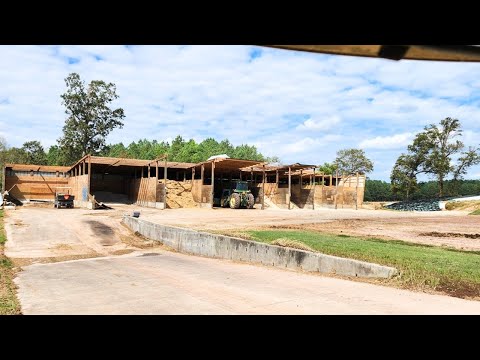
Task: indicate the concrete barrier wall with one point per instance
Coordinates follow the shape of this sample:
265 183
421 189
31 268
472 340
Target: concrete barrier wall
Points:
226 247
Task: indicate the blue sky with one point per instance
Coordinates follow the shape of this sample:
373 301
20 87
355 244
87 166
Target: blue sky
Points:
301 107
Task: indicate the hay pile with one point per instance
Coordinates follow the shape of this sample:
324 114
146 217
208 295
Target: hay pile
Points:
179 195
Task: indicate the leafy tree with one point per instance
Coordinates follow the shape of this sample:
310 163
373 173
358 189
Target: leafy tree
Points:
328 168
184 151
90 116
174 153
377 190
247 152
55 156
16 156
35 153
351 161
272 159
432 152
404 174
116 150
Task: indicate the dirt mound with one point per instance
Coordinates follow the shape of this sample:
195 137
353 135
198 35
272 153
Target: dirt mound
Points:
179 195
463 205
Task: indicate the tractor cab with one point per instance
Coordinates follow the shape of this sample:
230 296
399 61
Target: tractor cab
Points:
241 186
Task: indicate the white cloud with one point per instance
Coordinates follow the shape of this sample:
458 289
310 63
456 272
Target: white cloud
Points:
388 142
323 124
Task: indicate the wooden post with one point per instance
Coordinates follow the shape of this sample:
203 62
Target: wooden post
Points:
251 176
193 175
263 188
156 170
343 189
289 186
301 179
356 194
4 175
89 173
83 170
148 171
276 181
313 202
184 176
336 187
213 182
323 184
331 180
240 175
165 183
202 171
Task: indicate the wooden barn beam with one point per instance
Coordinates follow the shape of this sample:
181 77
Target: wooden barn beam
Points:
213 183
289 186
165 183
263 188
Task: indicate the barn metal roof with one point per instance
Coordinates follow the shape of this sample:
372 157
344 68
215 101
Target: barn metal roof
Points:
31 167
115 162
227 164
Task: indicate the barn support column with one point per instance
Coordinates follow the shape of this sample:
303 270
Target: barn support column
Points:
356 194
263 187
213 183
276 181
289 186
89 177
313 189
336 187
165 184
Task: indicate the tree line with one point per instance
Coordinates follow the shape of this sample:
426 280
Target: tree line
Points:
32 152
378 190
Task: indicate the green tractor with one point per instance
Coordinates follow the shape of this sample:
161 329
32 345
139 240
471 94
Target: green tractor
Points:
240 197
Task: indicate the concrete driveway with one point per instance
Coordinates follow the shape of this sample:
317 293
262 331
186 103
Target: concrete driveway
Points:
154 281
173 283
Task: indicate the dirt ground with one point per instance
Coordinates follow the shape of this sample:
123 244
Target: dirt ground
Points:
43 234
454 229
99 232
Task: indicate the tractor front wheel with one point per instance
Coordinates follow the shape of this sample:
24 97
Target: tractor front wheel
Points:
235 201
250 201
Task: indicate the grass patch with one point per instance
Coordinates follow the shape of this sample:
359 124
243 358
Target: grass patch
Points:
451 271
476 212
8 300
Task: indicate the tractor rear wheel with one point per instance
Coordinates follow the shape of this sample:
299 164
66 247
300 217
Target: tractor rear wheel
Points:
250 201
235 201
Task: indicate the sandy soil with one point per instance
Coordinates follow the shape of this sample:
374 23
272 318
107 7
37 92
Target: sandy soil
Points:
44 234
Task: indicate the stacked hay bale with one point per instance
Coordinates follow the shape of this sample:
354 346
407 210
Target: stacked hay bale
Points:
179 195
